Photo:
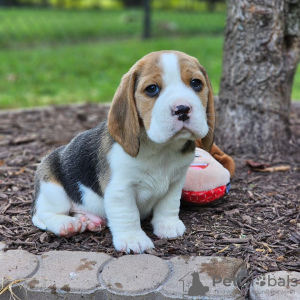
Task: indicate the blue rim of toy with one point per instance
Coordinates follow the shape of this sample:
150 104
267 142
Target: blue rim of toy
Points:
228 186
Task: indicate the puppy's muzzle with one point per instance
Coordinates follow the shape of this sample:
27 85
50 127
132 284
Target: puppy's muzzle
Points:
182 111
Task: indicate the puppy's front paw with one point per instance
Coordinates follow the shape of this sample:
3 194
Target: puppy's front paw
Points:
168 228
138 242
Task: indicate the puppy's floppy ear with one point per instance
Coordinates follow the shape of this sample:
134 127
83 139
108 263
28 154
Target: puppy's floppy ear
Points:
123 121
208 140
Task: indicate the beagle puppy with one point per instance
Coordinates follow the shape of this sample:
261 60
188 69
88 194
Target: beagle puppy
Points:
134 164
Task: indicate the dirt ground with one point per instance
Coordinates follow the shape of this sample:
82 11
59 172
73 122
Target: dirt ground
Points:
258 221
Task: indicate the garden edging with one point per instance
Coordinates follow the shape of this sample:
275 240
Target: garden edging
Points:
91 275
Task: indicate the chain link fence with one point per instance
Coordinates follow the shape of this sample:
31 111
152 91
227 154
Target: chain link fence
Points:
31 22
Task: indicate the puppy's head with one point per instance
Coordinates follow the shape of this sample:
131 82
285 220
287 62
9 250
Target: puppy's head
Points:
167 92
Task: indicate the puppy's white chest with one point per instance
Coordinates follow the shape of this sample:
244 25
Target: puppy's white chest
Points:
153 185
150 176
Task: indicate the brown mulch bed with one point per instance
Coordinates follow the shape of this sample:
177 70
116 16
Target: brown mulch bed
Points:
259 221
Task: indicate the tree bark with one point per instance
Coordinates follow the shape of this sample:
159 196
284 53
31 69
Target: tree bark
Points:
261 52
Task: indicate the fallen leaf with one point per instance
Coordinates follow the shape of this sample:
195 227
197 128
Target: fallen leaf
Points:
256 165
282 168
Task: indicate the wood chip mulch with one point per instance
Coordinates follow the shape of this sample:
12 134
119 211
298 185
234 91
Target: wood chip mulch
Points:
259 221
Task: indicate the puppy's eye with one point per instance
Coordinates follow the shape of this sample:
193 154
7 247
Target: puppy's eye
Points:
196 85
152 90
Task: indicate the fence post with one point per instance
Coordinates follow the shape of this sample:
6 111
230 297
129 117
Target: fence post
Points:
147 19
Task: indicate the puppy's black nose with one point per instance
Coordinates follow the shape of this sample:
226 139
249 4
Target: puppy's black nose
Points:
182 112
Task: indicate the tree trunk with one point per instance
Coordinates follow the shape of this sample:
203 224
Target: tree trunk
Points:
261 52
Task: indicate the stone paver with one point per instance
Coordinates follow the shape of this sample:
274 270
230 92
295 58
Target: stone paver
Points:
2 246
90 275
16 265
135 275
68 272
281 285
213 277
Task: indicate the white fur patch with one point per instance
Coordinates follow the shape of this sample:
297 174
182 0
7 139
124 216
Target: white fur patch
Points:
164 124
52 209
171 70
91 202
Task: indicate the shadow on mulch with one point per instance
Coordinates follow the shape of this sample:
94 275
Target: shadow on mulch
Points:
259 221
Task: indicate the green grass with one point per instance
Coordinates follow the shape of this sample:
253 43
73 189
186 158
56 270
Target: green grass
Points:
88 72
92 71
59 57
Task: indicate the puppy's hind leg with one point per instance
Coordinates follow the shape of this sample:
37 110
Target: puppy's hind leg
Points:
51 211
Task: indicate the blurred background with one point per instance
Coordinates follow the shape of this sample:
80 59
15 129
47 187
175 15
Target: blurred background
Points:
70 51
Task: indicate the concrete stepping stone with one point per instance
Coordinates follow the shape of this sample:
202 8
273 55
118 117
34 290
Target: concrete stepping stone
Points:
2 246
16 266
135 276
90 275
280 285
212 277
67 272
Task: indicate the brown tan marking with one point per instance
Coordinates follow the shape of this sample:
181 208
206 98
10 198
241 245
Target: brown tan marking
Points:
150 73
105 173
44 172
123 122
208 140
